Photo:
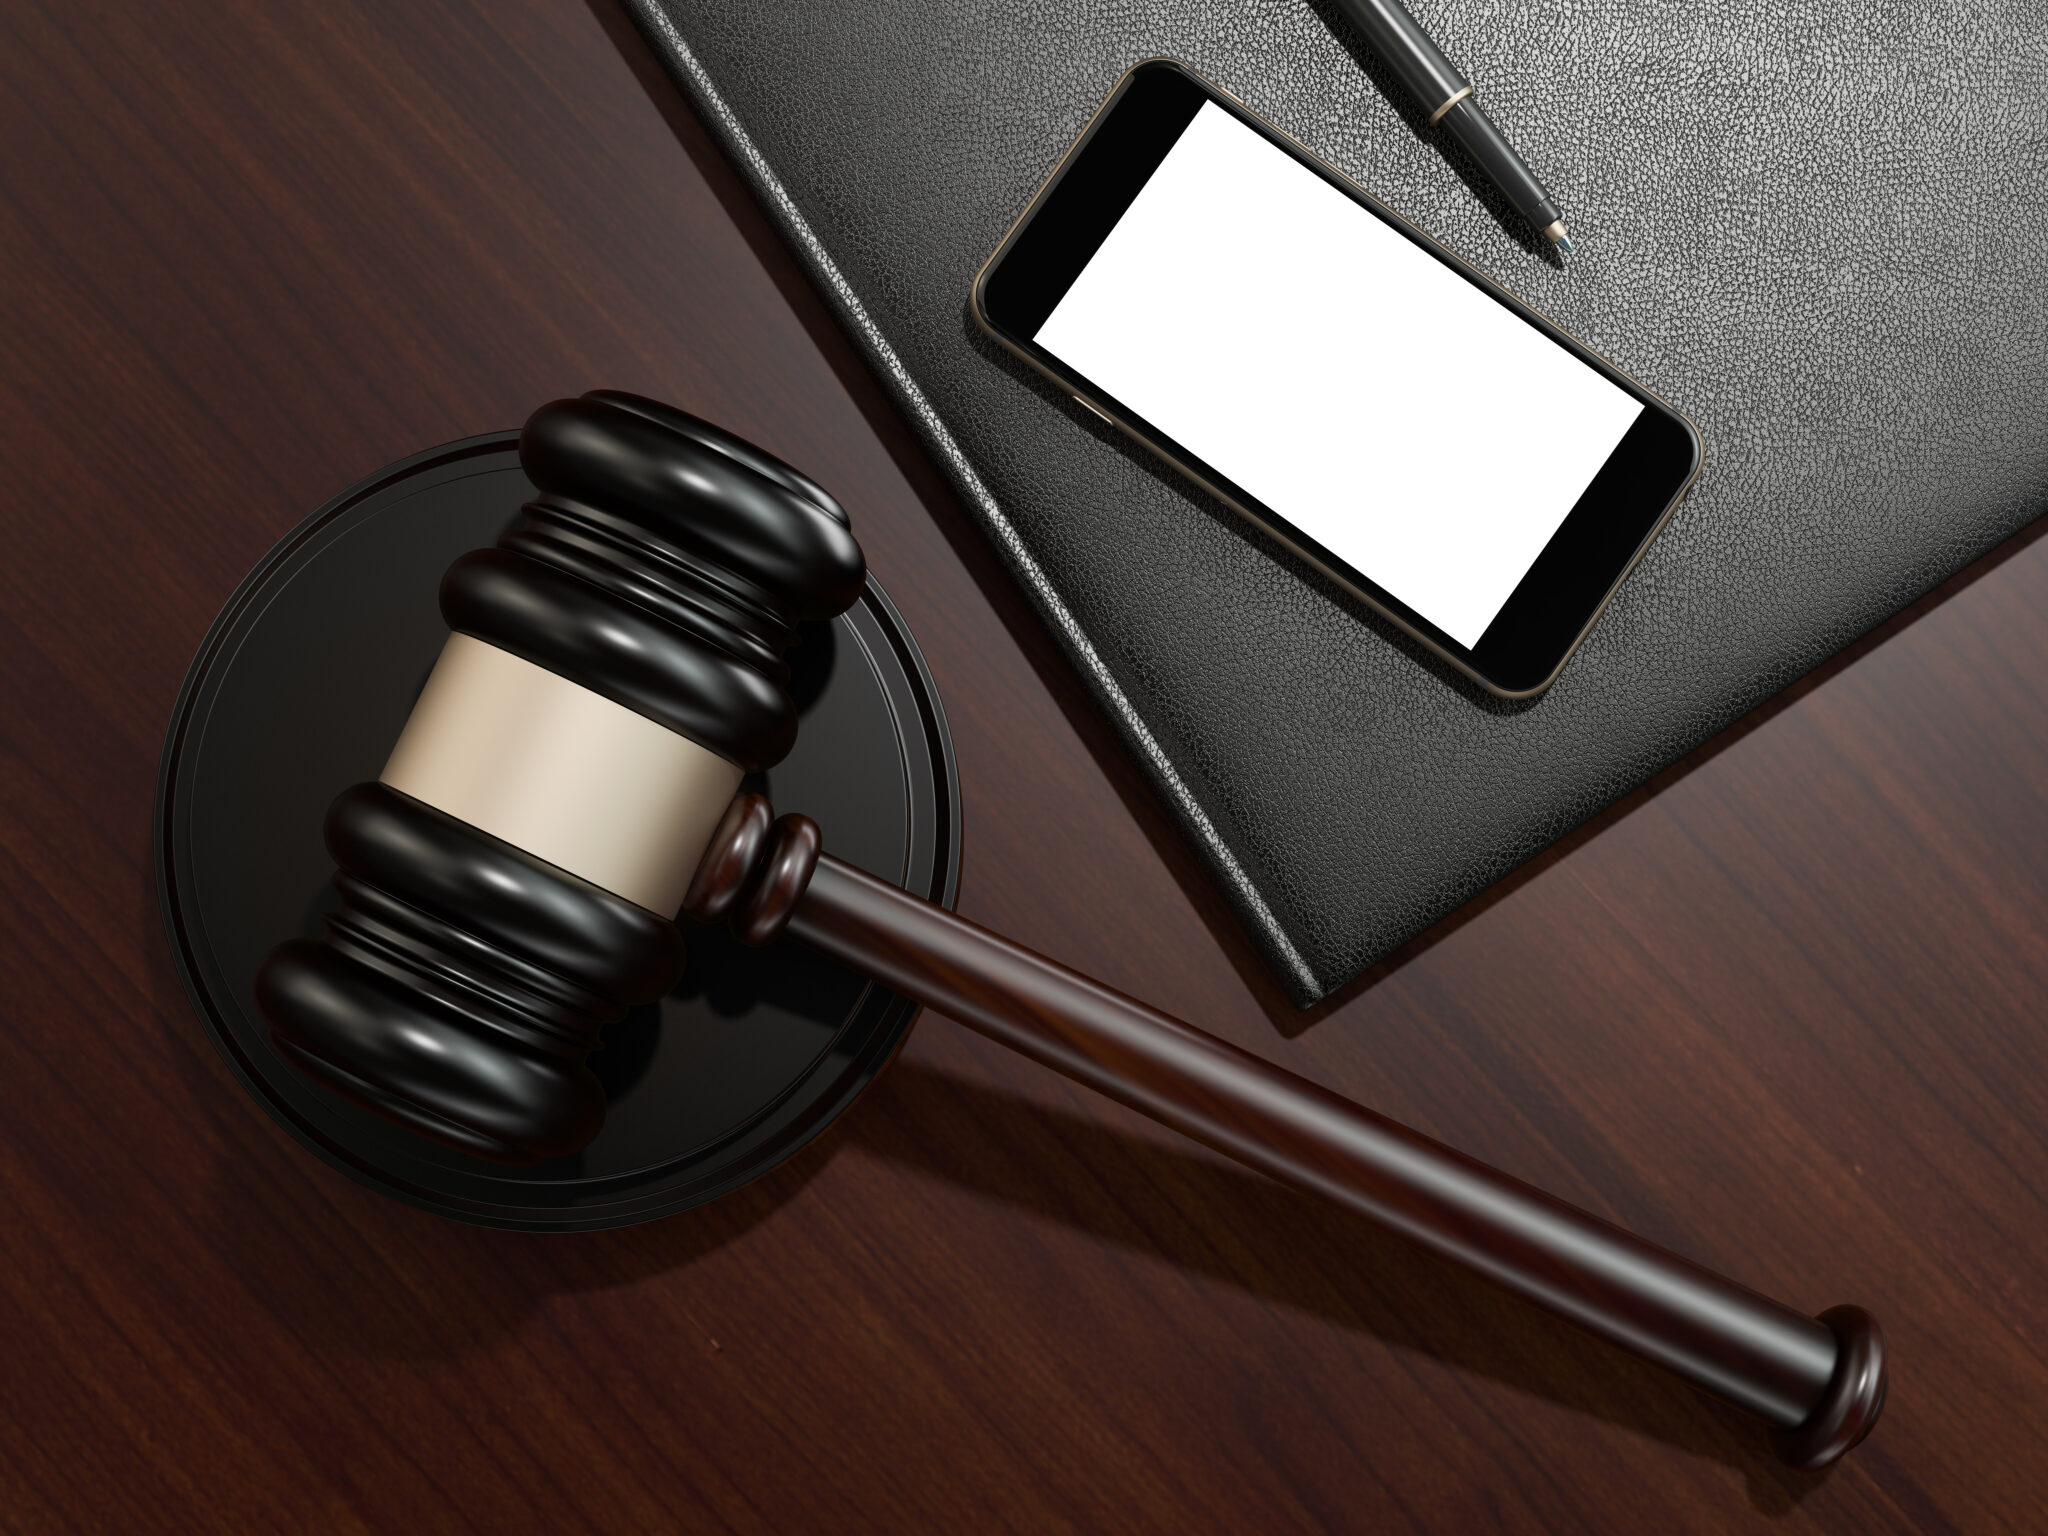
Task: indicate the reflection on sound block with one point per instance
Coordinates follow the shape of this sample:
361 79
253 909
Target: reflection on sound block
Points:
741 1028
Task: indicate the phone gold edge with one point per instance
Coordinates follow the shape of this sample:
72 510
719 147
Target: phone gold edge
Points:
1072 387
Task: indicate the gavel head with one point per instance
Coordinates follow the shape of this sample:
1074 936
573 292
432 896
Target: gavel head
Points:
509 885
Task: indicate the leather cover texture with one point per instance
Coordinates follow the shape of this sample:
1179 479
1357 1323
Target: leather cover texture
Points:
1819 229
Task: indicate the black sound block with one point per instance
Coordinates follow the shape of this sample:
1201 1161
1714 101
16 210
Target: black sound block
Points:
300 690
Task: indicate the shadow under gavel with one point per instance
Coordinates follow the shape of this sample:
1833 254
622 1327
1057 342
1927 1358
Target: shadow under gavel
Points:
570 774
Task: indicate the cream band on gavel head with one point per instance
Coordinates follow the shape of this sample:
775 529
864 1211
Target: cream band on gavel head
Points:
566 774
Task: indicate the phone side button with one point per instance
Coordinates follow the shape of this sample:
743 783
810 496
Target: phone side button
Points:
1098 410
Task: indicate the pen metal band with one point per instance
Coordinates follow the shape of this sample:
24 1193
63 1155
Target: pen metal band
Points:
1435 116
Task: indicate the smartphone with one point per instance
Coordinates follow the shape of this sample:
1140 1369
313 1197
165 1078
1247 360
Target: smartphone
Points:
1198 279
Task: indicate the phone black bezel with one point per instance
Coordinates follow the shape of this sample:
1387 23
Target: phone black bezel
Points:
1576 574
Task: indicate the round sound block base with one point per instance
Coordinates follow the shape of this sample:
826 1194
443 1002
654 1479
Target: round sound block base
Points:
300 690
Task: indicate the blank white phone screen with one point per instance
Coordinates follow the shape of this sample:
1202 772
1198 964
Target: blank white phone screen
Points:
1357 386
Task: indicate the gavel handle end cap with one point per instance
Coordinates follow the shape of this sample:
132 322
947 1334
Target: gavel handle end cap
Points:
1853 1400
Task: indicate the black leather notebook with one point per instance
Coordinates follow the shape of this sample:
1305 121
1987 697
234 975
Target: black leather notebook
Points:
1823 239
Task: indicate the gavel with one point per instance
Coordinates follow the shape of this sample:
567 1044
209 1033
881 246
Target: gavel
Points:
570 779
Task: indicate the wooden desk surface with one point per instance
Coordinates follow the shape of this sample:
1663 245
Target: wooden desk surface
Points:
1783 1011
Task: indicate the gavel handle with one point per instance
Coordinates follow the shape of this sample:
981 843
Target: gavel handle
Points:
1819 1381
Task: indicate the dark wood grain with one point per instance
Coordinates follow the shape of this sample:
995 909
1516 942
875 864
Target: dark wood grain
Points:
1783 1014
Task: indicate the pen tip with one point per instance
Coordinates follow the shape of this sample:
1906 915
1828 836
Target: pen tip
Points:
1564 245
1554 233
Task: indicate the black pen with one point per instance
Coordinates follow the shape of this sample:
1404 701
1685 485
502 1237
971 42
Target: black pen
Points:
1447 96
